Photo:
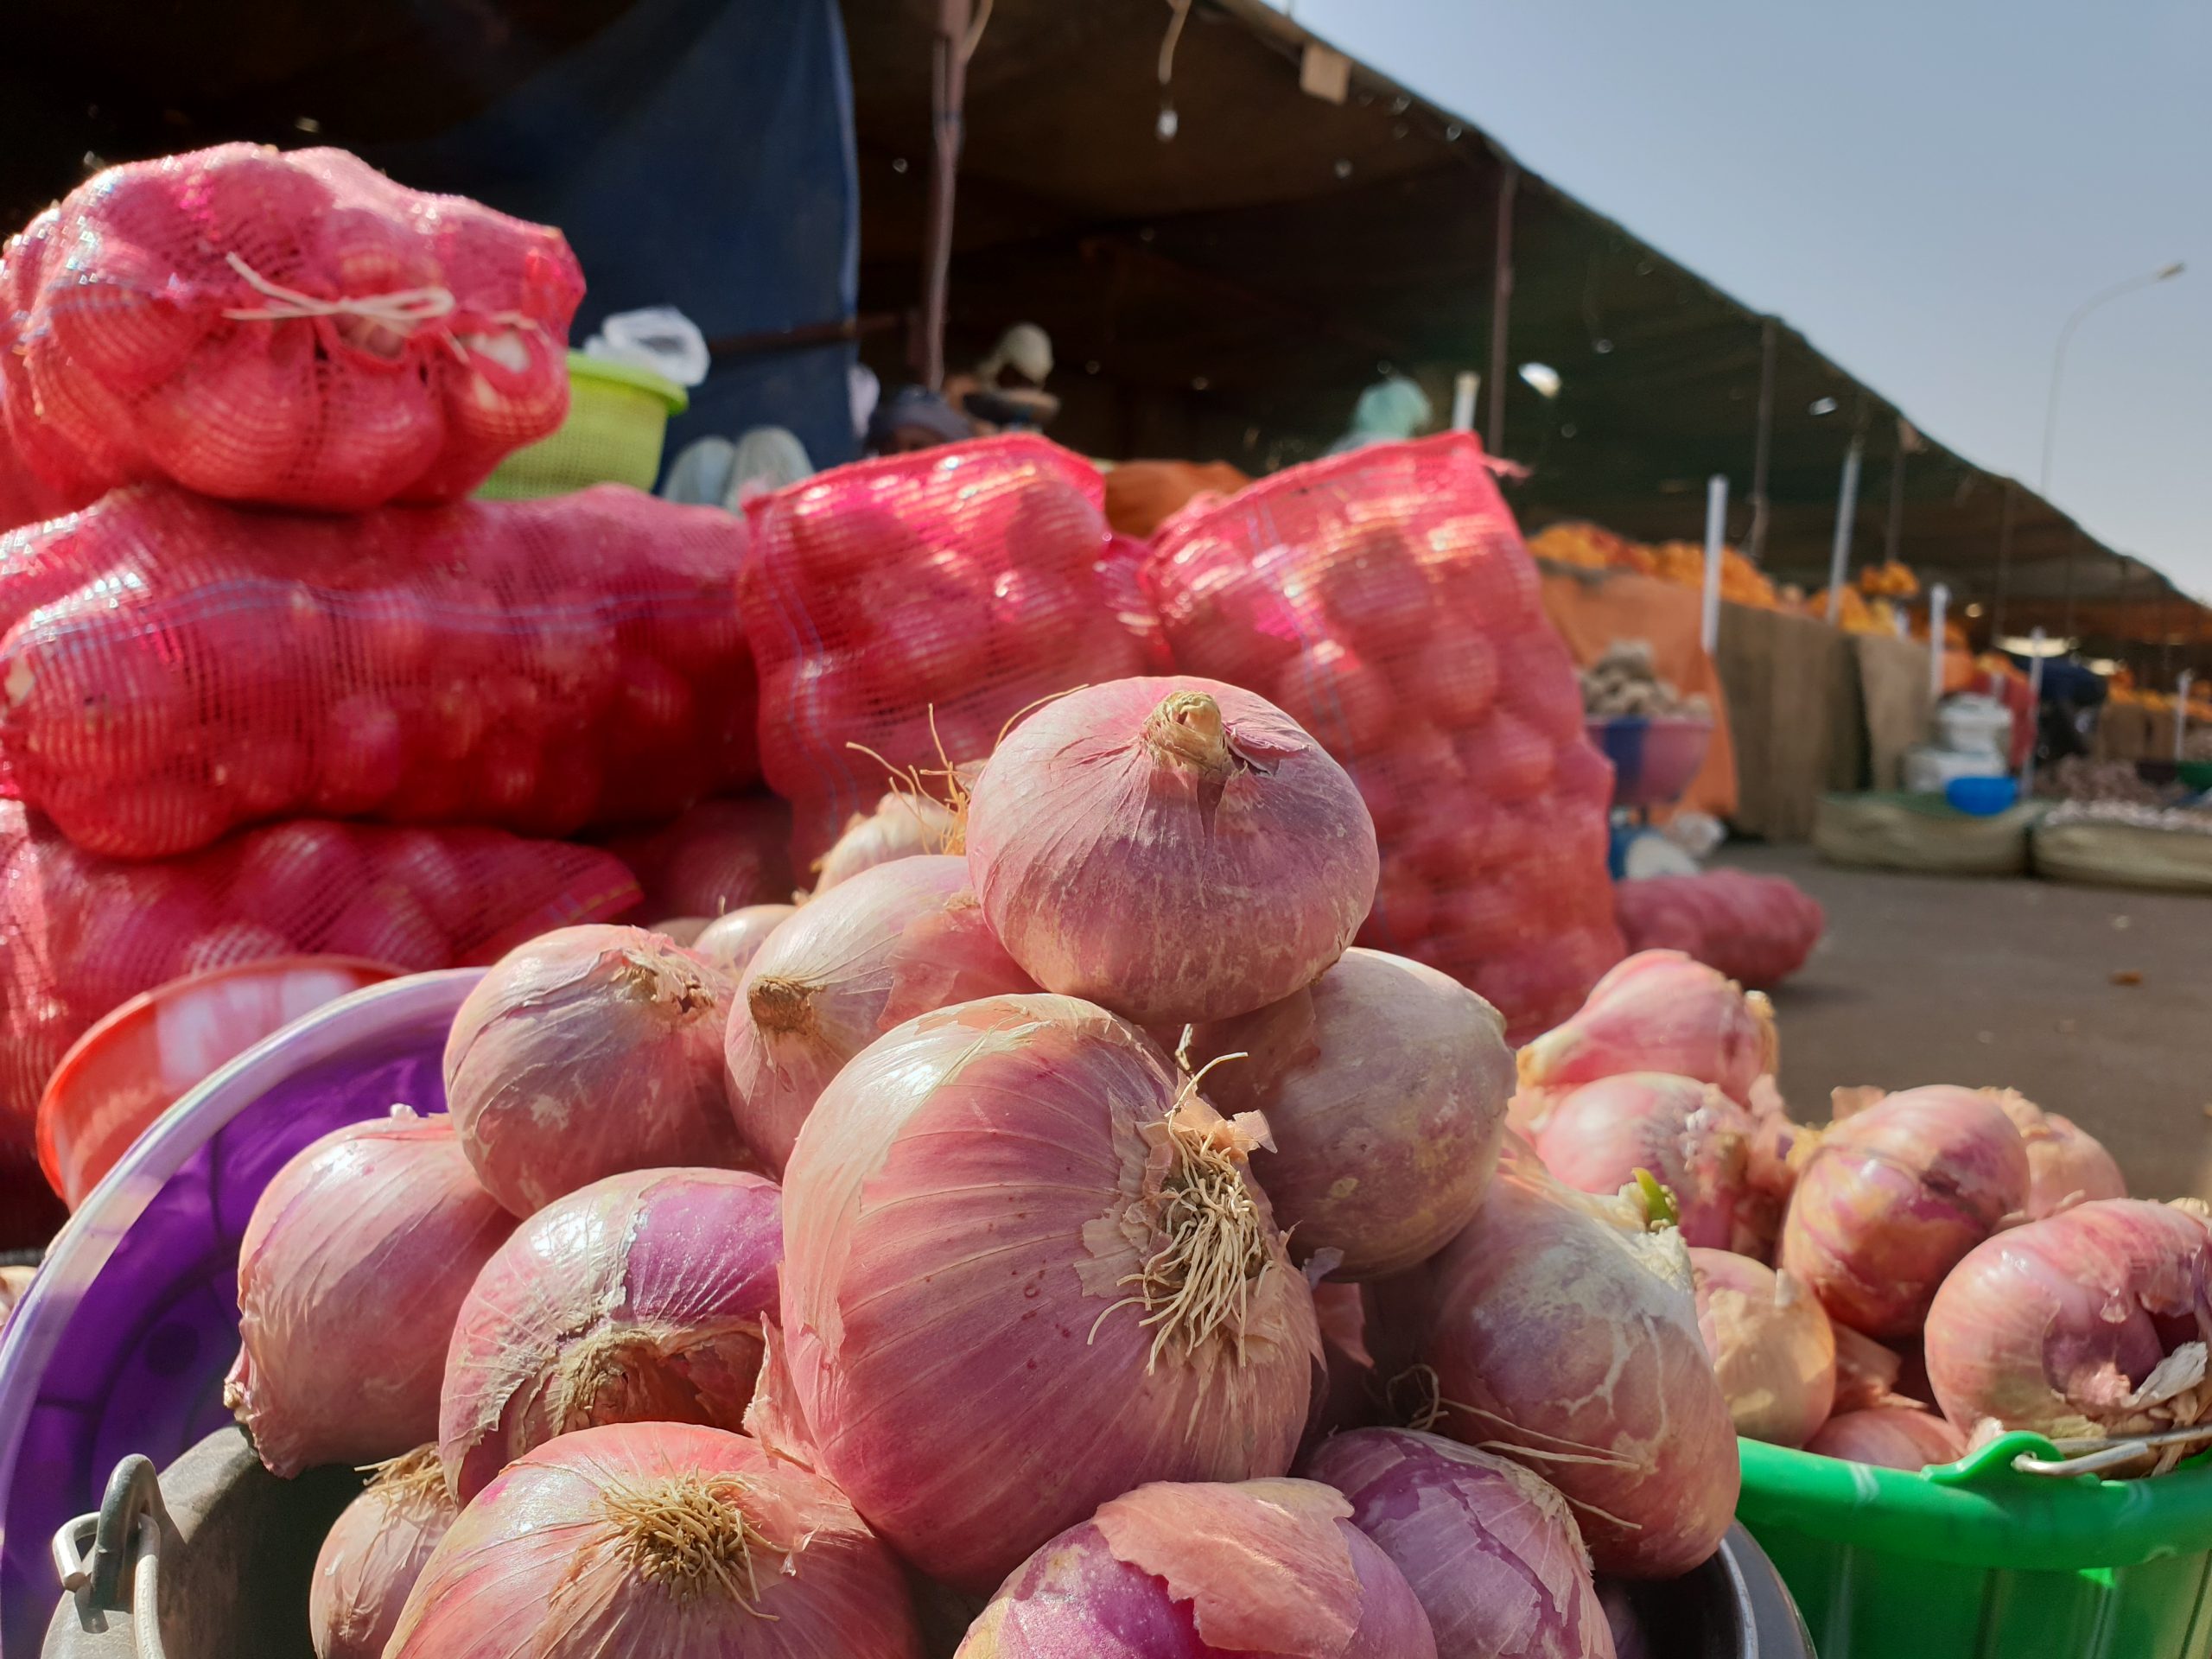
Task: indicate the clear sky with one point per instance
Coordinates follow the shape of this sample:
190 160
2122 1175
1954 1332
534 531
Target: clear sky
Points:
1925 190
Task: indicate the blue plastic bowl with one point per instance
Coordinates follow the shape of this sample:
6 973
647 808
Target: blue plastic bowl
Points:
1984 797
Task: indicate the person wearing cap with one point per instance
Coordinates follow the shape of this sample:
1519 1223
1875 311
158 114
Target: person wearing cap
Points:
1007 390
912 418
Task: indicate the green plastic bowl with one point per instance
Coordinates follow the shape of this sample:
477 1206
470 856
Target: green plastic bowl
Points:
2197 775
1976 1560
618 418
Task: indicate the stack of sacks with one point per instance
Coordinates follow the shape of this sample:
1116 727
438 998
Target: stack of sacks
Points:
903 611
209 358
1384 599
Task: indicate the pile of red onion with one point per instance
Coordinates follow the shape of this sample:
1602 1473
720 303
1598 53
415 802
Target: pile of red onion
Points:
373 1555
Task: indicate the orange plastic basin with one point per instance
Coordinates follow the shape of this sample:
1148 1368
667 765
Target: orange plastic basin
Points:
130 1068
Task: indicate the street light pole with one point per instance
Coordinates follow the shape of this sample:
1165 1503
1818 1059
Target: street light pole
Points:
2058 358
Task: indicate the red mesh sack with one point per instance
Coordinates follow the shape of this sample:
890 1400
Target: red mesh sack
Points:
1384 599
290 328
173 667
720 856
958 585
84 934
1756 929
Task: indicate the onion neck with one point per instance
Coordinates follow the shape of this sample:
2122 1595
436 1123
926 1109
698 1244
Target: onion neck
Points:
779 1004
1188 729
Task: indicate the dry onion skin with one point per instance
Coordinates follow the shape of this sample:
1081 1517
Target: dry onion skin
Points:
1023 1270
584 1052
1689 1135
892 942
1491 1550
374 1552
1889 1436
1772 1346
906 823
657 1540
1175 850
354 1263
1384 1085
2066 1164
1658 1011
2093 1322
1202 1571
1893 1197
639 1298
1560 1330
729 942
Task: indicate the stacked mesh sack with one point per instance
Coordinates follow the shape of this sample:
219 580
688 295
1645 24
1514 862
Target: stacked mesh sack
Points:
1756 929
902 611
293 329
82 934
1384 599
173 667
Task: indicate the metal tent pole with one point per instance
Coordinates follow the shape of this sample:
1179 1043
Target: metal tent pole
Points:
1763 441
1846 509
2003 565
949 53
1501 304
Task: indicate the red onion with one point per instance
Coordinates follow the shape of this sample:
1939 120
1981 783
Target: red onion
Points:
729 942
587 1051
1563 1335
1176 851
905 823
1772 1347
1890 1437
1893 1197
638 1297
891 943
1659 1010
2065 1162
1866 1372
1384 1085
1022 1273
658 1540
1352 1396
680 929
1616 1597
2092 1322
353 1265
1192 1571
1687 1134
373 1553
1490 1550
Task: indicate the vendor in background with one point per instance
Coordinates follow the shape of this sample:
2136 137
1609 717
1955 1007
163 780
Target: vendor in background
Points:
914 418
1007 392
1388 411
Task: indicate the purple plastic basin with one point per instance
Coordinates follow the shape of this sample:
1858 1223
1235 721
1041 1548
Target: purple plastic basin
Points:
123 1341
1654 756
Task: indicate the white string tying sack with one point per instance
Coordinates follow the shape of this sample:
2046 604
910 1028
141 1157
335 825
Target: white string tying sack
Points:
400 310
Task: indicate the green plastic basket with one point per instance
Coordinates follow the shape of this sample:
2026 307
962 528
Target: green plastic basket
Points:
1975 1559
618 418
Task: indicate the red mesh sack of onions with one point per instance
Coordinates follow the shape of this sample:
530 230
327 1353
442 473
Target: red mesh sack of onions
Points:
84 934
174 667
1383 600
288 328
915 604
1756 929
720 856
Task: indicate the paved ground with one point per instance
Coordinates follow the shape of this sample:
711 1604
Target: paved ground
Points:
1924 979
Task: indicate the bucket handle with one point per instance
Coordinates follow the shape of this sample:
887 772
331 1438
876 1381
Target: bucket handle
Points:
2095 1456
131 1511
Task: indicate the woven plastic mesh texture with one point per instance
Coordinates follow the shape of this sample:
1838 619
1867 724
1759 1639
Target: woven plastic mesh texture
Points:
721 855
83 934
960 584
1384 599
290 328
1756 929
173 667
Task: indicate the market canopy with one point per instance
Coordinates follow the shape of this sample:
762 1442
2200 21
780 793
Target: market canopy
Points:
1224 293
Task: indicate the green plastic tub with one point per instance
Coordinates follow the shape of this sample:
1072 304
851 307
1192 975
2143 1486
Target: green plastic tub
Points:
1976 1560
618 418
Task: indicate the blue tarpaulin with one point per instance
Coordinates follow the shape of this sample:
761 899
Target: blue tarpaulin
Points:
698 154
